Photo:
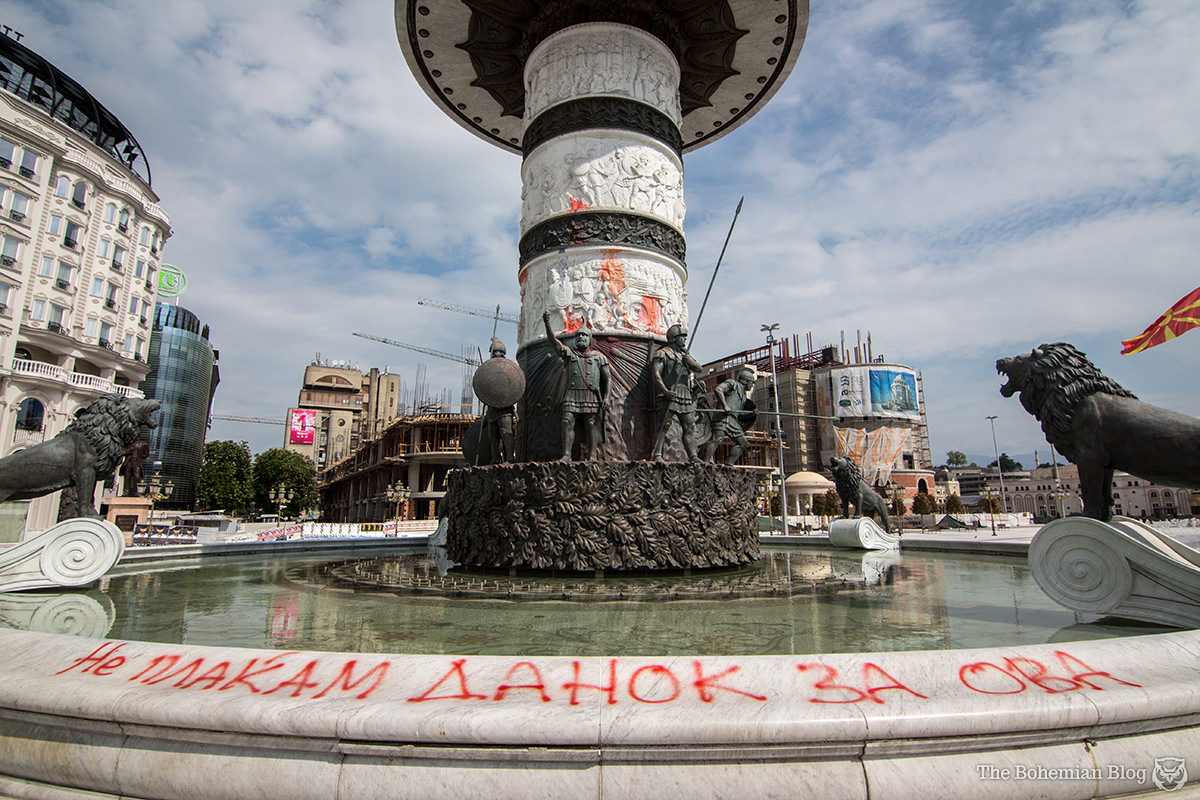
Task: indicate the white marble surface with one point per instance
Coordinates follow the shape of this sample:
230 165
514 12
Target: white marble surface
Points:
1123 568
106 716
74 552
862 533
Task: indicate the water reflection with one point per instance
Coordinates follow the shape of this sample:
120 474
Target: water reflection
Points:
798 602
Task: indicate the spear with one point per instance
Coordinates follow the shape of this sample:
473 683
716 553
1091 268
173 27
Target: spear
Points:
717 268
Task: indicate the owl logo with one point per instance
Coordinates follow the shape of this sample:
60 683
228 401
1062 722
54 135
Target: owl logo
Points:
1169 773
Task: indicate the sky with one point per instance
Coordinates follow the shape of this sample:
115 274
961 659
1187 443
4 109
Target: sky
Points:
963 179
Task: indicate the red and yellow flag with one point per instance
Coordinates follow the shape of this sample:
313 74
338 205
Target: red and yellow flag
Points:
1180 317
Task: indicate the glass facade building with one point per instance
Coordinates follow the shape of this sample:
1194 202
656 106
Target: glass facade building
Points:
183 377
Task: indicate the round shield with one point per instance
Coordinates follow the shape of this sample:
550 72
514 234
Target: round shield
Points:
477 446
748 415
499 382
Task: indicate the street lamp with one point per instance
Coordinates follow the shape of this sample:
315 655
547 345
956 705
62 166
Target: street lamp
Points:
281 496
999 466
156 489
897 503
991 507
398 494
770 331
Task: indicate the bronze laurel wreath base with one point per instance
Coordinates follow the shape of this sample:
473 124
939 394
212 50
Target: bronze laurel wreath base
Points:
585 516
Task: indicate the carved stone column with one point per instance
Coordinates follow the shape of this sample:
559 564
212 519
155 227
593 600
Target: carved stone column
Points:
601 98
602 221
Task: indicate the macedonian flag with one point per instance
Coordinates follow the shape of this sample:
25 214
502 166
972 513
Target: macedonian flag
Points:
1180 317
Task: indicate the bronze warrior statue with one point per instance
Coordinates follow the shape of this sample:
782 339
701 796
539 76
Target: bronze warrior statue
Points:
733 401
586 393
672 368
499 421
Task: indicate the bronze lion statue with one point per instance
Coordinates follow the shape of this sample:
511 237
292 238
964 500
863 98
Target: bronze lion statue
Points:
851 487
89 448
1101 426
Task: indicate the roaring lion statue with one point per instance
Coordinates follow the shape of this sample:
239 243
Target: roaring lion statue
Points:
851 487
89 448
1101 426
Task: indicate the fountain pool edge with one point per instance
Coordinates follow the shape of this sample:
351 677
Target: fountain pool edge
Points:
104 718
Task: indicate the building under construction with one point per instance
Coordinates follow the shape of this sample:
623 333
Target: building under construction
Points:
839 402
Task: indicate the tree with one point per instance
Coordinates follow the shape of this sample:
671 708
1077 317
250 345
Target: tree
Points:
225 477
924 503
990 504
954 505
956 458
827 505
295 473
1007 464
897 507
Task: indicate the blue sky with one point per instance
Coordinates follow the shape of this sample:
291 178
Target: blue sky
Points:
965 180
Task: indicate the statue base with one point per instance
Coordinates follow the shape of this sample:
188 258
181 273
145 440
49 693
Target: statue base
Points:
862 533
587 516
1120 568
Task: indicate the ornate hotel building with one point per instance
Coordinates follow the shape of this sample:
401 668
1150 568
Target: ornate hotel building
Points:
81 238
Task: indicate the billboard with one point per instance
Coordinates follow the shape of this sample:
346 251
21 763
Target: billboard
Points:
868 391
302 425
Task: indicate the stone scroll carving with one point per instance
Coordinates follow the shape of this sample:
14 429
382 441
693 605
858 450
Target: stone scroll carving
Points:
71 553
1121 568
602 516
862 533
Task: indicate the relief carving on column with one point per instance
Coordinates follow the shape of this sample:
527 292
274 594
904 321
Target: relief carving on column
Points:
605 291
580 173
610 60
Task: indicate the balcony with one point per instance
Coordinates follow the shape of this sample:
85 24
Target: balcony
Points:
123 227
105 343
8 261
149 286
78 203
71 243
116 266
16 216
26 172
59 283
110 302
94 383
55 327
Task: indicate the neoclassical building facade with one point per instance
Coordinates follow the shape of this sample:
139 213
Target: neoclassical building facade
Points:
81 243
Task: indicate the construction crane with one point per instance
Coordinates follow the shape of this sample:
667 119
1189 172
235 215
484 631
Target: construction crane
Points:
471 362
259 420
475 312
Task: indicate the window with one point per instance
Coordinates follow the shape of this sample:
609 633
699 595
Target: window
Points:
55 224
97 287
141 346
71 237
20 205
139 268
60 188
4 290
47 266
105 334
111 300
8 251
133 307
30 414
118 259
28 164
7 149
145 235
38 311
79 196
57 314
104 249
110 212
128 344
89 328
63 279
123 220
